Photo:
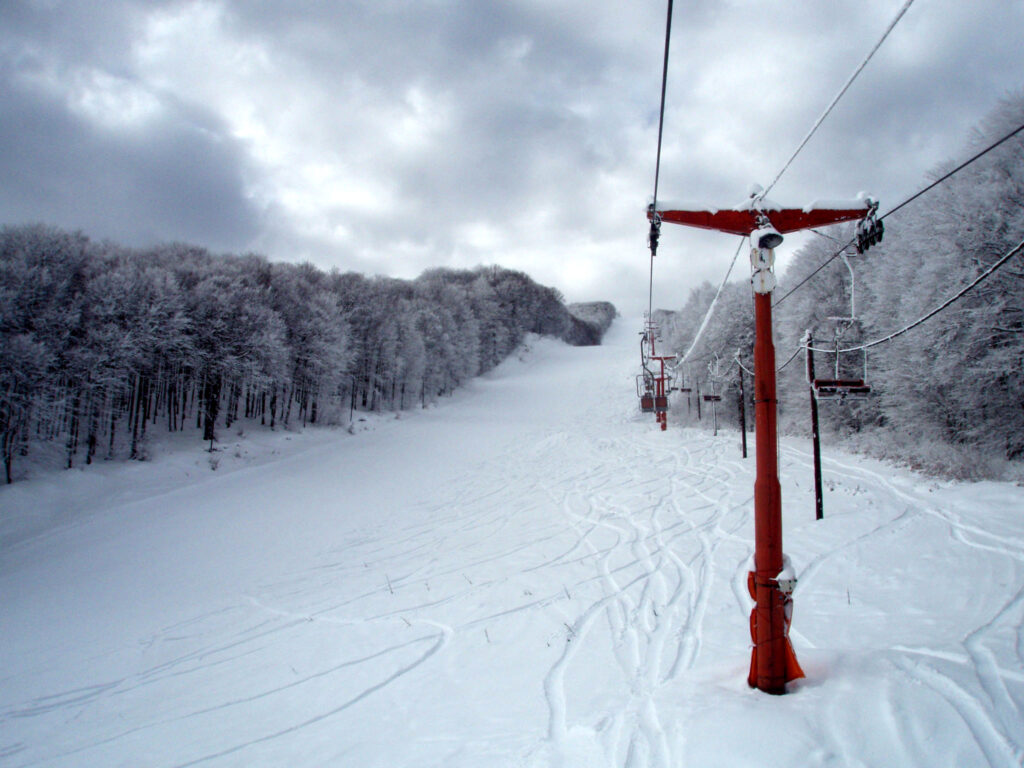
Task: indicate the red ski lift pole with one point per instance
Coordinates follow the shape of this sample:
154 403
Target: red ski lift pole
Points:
773 662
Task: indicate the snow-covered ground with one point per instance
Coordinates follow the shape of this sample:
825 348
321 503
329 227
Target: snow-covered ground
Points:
529 574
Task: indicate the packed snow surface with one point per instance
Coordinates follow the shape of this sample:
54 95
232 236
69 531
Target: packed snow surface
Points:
530 574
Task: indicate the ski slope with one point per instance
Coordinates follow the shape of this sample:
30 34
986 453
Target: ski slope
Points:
529 574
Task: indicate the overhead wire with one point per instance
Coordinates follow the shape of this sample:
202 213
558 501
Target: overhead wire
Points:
903 204
921 320
803 347
791 358
711 308
778 176
977 281
956 297
661 113
817 124
842 91
959 168
657 162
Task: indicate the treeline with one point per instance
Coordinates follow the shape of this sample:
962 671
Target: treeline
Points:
99 343
947 395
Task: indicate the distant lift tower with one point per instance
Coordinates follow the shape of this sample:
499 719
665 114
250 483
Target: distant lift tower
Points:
773 662
655 383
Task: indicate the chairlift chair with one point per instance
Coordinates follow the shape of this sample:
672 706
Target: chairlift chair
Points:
830 389
840 386
645 391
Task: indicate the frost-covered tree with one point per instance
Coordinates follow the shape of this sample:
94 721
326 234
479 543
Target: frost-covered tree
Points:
99 343
955 380
317 338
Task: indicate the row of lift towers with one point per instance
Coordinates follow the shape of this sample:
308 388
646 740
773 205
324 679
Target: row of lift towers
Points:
657 380
773 661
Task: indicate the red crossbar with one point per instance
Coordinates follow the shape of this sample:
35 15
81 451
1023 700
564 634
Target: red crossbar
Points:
745 221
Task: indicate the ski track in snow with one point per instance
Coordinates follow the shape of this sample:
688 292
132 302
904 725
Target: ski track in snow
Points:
992 714
570 591
654 620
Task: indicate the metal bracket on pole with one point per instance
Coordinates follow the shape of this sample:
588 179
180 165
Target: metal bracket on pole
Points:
761 261
655 232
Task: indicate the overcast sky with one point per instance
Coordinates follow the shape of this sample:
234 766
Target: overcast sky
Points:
388 137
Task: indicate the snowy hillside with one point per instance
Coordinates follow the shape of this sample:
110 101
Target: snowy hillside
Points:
529 574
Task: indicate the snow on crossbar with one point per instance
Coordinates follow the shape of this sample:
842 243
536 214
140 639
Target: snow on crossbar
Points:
743 222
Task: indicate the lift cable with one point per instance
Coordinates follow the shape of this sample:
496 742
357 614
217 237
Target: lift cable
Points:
966 289
655 222
661 114
807 138
744 368
791 358
906 202
719 376
838 96
960 167
910 326
711 309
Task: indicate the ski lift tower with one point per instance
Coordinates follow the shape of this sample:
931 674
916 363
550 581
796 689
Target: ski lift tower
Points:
773 662
662 379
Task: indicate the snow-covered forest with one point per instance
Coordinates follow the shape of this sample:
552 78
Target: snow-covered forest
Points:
100 344
949 394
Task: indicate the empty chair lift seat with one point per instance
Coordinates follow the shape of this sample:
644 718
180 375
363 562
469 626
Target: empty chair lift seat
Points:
826 388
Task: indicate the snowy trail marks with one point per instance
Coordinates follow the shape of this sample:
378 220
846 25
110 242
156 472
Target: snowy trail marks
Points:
529 575
989 700
646 513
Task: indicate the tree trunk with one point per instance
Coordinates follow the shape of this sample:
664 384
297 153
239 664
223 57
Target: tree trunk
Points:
94 425
72 444
211 408
8 448
227 411
113 432
133 417
147 404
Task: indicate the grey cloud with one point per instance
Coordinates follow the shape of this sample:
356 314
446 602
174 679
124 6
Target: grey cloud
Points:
545 123
179 181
